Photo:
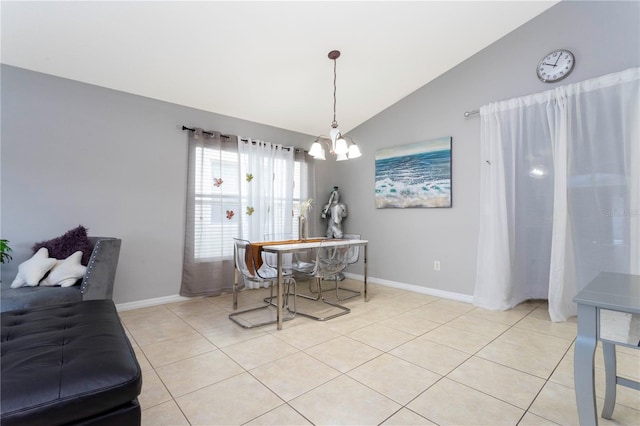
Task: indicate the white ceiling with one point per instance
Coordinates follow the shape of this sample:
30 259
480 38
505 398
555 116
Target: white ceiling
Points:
260 61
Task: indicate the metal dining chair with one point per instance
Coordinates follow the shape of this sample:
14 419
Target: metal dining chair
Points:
249 264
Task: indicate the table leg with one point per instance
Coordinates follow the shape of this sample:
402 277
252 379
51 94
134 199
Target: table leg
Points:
235 281
583 370
366 299
280 291
609 350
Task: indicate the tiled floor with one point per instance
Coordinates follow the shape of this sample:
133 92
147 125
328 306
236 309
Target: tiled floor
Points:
402 358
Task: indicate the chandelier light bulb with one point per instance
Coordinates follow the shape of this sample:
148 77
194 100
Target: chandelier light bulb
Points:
354 151
341 157
316 150
341 146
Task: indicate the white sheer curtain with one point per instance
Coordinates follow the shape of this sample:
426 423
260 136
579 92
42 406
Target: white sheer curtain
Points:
560 184
266 174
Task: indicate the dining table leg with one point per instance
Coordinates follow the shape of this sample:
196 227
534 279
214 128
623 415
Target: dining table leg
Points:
280 291
366 299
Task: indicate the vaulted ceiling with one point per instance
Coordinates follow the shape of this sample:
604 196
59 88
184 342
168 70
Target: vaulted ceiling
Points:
262 61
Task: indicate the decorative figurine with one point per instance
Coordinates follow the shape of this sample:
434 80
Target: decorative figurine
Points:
334 211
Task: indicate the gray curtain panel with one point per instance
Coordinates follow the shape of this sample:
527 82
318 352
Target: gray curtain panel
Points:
210 206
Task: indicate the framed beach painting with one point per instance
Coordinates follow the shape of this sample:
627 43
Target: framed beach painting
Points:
414 175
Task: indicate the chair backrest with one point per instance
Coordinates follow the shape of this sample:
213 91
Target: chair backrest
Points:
354 251
331 260
246 262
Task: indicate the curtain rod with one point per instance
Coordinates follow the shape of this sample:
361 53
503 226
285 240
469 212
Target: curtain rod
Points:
227 137
468 114
204 131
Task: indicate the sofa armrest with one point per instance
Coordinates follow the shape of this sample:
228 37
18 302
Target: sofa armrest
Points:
101 269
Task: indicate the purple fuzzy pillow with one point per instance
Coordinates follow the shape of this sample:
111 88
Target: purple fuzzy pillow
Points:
67 244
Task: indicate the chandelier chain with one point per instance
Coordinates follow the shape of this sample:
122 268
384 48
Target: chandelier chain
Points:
334 95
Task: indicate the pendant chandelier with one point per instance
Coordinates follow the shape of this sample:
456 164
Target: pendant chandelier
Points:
336 143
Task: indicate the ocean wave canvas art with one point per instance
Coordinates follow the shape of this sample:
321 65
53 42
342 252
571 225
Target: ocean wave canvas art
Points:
414 175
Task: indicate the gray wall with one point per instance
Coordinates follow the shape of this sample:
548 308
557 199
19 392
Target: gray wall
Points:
74 154
605 38
116 163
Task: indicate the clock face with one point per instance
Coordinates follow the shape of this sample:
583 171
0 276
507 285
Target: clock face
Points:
555 66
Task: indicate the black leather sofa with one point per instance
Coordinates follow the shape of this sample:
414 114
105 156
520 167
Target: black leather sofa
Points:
68 364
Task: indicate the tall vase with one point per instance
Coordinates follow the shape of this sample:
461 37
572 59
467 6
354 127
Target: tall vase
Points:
302 228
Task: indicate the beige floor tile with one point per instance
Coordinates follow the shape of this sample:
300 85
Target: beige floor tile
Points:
530 419
293 375
176 349
381 337
406 417
509 317
434 314
234 401
564 330
142 359
344 401
410 323
430 355
534 341
451 403
166 413
345 324
556 403
194 307
412 300
146 317
462 340
306 335
197 372
259 351
343 353
509 385
207 321
229 333
452 305
479 326
377 312
153 390
521 358
395 378
147 334
284 415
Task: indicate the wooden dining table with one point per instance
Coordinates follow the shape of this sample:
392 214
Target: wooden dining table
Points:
284 247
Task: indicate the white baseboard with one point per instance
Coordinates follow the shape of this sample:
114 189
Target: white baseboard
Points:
150 302
409 287
415 288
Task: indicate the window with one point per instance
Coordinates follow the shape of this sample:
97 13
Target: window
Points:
215 199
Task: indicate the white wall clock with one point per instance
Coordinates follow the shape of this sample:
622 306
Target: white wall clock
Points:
555 66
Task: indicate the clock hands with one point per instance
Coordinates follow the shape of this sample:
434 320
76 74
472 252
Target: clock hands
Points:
551 65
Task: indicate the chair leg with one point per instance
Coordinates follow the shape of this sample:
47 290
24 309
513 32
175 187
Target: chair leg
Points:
235 315
344 310
354 293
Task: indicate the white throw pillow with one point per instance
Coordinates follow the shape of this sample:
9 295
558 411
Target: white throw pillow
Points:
66 272
31 271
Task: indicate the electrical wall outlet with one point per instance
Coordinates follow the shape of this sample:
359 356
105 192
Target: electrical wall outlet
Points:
436 265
